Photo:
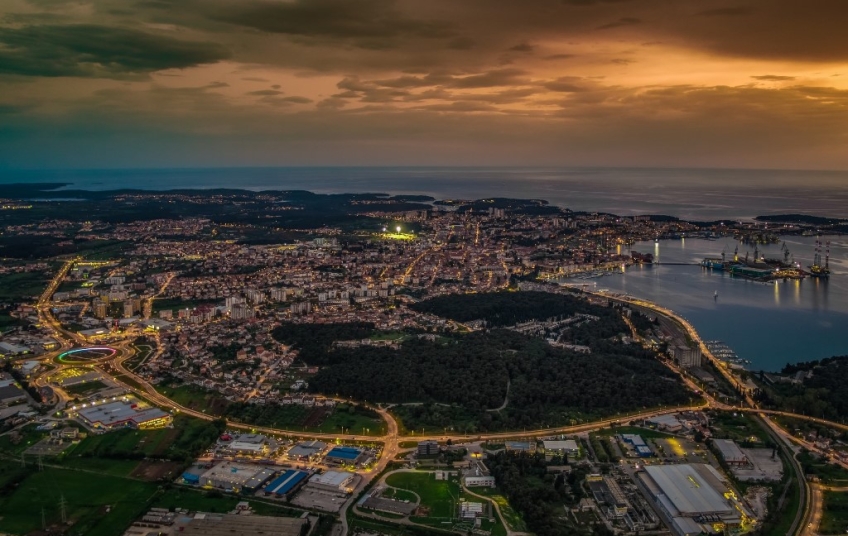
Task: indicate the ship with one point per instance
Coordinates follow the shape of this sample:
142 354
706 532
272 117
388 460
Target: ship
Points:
817 269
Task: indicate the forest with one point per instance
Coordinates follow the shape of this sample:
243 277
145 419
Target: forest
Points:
541 497
508 308
824 394
480 372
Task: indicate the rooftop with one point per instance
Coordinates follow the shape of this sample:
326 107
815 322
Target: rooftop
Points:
687 489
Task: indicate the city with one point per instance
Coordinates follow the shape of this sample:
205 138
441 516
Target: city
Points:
224 342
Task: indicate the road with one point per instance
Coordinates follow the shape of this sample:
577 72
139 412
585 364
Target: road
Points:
115 367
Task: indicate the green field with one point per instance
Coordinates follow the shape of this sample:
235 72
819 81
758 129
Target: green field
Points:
291 417
187 438
834 513
22 285
85 388
85 496
440 496
400 495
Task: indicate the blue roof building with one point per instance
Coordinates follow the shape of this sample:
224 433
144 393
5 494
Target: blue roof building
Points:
286 482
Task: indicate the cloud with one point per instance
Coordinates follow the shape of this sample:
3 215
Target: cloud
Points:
624 21
524 46
592 2
366 23
773 78
725 12
88 50
554 57
265 92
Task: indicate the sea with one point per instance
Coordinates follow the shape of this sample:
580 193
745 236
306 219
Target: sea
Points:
768 325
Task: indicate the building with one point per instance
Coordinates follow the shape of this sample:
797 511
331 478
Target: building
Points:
470 510
11 394
730 452
668 423
479 481
8 349
344 456
236 477
125 413
306 450
685 356
426 448
694 498
567 447
335 481
212 524
251 444
287 482
639 446
520 446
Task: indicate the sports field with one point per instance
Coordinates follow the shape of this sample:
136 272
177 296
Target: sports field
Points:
440 497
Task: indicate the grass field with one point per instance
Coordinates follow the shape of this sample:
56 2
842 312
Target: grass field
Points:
440 496
188 436
22 285
86 498
291 417
834 513
196 500
400 495
85 388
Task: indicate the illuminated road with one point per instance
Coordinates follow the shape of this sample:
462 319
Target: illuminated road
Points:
811 499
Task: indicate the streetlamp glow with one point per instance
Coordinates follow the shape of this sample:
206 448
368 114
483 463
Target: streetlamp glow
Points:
398 229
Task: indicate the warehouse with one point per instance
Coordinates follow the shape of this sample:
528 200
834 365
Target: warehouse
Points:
236 477
691 495
344 456
250 444
286 482
639 446
730 452
567 447
335 481
127 412
304 451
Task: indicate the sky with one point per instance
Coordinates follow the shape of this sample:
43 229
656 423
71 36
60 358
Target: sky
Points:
668 83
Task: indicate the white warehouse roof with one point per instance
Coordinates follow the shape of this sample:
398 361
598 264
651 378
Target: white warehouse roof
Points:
687 490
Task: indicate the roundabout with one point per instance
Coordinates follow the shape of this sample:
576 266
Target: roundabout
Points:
86 356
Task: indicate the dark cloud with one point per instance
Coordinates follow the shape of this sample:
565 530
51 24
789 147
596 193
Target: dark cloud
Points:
554 57
97 51
773 78
524 46
566 84
592 2
363 23
461 43
624 21
725 12
265 92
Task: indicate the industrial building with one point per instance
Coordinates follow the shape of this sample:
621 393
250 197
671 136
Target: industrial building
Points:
236 477
127 412
345 456
287 482
11 394
251 444
567 447
694 498
639 446
304 451
730 452
335 481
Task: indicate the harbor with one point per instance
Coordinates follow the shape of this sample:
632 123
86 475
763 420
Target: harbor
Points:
760 268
